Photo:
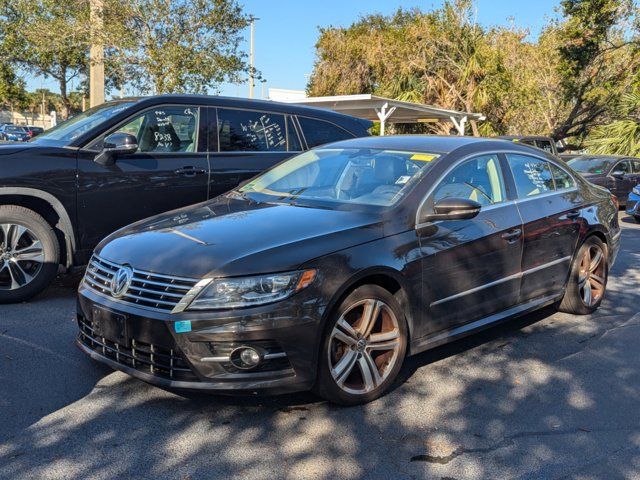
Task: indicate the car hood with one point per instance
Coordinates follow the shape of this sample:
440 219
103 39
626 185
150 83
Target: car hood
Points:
230 237
9 148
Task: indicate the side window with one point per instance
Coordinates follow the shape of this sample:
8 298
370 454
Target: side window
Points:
165 129
532 176
562 178
636 166
319 132
544 145
250 131
478 179
292 135
623 167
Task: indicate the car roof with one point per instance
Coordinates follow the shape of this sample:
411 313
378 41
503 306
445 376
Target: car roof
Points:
524 137
442 144
237 102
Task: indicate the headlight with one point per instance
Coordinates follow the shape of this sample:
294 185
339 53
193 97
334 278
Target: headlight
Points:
636 189
250 291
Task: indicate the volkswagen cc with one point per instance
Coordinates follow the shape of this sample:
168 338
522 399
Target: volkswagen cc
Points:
327 270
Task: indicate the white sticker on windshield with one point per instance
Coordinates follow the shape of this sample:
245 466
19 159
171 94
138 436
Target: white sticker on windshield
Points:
402 180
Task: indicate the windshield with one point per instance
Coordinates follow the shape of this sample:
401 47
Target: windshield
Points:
343 175
591 165
66 132
12 129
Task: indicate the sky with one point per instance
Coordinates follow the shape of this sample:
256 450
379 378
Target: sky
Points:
287 30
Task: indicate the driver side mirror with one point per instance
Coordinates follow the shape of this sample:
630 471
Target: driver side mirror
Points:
619 174
453 209
118 143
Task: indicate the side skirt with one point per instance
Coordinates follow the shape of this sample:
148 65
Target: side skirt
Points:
440 338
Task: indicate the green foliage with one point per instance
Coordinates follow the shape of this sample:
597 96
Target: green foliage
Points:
180 46
12 90
622 136
563 84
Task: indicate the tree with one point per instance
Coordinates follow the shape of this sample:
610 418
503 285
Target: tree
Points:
597 62
46 37
12 88
622 136
179 46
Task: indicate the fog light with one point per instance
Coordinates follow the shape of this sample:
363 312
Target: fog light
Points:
245 357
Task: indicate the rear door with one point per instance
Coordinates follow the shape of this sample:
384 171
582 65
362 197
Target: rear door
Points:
549 204
247 142
169 170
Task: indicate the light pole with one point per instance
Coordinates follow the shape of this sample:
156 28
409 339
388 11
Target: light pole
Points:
251 59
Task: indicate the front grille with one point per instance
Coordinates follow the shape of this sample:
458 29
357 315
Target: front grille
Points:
162 361
147 289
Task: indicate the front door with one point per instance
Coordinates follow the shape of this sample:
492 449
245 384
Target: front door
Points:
169 170
471 268
549 204
622 180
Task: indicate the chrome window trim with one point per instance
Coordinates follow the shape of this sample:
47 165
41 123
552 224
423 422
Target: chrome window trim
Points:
141 112
515 276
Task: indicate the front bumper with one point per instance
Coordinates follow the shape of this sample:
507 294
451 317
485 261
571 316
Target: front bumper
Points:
145 344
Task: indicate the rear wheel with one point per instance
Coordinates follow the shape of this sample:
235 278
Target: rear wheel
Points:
29 254
588 279
364 347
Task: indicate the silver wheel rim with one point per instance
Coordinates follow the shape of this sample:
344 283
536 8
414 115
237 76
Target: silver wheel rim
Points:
592 276
364 346
21 256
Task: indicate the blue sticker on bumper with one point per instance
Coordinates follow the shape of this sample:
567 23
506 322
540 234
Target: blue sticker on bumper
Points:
183 326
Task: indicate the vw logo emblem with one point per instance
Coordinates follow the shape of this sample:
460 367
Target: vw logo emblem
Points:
121 281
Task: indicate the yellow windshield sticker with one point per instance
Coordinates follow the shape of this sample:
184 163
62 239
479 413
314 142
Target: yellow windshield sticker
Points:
423 157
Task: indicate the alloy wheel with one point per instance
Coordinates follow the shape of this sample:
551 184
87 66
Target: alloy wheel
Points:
592 275
21 256
364 346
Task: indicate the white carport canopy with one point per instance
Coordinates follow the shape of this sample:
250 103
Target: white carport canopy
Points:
384 109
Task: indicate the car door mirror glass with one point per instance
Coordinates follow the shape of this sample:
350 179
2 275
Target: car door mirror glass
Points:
452 208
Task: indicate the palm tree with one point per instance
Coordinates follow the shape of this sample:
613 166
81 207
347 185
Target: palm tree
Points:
622 136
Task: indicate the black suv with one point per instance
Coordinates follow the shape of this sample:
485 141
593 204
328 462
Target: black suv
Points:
122 161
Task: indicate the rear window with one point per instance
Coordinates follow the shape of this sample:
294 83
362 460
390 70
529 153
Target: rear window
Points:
318 132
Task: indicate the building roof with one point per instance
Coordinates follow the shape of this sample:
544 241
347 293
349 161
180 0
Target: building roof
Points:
365 106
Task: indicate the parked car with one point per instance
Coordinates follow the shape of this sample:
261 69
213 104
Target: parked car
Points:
325 271
547 144
633 203
64 191
34 131
13 133
616 173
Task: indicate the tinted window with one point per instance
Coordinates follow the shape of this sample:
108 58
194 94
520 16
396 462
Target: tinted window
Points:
246 130
590 164
622 167
478 179
532 175
319 132
562 178
165 129
636 166
294 141
545 145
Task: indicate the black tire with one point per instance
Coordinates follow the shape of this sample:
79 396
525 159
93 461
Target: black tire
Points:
389 321
46 256
636 218
581 278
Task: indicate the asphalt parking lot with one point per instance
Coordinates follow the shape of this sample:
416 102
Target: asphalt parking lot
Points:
545 396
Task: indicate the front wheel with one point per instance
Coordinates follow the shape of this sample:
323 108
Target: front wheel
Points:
29 254
587 279
363 349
